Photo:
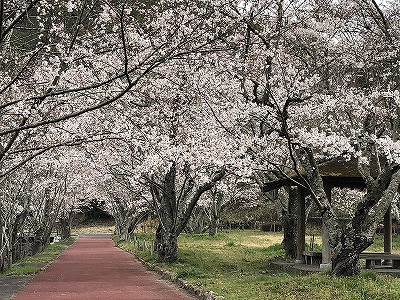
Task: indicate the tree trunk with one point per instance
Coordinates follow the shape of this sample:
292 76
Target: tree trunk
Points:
123 227
64 225
345 261
348 241
172 220
289 222
199 221
15 243
1 245
5 251
213 229
167 245
38 241
167 235
124 233
215 212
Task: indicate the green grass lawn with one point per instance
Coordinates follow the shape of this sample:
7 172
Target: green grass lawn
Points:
235 265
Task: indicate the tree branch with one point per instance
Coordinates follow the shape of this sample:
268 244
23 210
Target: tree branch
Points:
205 187
17 19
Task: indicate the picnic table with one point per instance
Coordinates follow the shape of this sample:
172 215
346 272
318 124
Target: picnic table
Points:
312 257
373 259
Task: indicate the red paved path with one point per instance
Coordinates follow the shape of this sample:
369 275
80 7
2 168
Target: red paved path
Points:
93 268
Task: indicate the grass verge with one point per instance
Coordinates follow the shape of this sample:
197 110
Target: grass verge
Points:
235 265
32 265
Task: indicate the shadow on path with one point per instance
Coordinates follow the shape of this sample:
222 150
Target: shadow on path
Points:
93 268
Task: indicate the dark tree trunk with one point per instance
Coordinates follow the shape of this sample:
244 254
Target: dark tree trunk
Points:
166 235
345 262
289 222
199 221
213 229
46 236
6 254
173 216
167 245
64 225
216 210
38 242
19 221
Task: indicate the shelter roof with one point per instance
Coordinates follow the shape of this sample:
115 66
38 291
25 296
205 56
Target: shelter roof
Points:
337 172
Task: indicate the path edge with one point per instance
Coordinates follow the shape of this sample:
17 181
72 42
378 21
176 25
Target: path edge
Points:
42 269
193 289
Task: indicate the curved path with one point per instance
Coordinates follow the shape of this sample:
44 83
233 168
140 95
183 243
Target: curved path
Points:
93 268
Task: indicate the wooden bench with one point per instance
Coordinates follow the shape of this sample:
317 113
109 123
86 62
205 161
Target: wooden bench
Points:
373 259
312 257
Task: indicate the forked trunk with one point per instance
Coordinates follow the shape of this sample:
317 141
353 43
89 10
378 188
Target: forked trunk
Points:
172 220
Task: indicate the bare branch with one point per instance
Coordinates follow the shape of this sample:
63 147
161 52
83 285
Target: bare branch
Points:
17 19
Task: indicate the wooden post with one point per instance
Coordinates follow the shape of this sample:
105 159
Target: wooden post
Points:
387 225
326 249
387 237
152 247
301 225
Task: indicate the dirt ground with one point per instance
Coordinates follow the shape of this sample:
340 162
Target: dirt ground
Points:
10 285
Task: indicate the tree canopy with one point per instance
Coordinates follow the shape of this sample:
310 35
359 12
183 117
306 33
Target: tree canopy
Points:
153 105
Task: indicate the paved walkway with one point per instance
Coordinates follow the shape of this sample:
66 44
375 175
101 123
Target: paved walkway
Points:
93 268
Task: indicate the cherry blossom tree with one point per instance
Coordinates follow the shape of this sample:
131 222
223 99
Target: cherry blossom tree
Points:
322 85
181 145
371 135
128 205
229 192
14 205
173 95
84 55
62 61
32 201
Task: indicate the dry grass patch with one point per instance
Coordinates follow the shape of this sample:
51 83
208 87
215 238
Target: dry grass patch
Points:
262 240
93 229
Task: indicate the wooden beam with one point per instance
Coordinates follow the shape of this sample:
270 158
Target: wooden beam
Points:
301 225
326 249
387 224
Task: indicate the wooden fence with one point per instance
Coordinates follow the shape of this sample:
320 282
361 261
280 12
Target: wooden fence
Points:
144 245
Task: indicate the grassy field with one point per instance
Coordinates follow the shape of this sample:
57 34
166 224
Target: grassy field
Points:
235 265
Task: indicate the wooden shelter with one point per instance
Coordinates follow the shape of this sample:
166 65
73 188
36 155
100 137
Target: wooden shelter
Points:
334 173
